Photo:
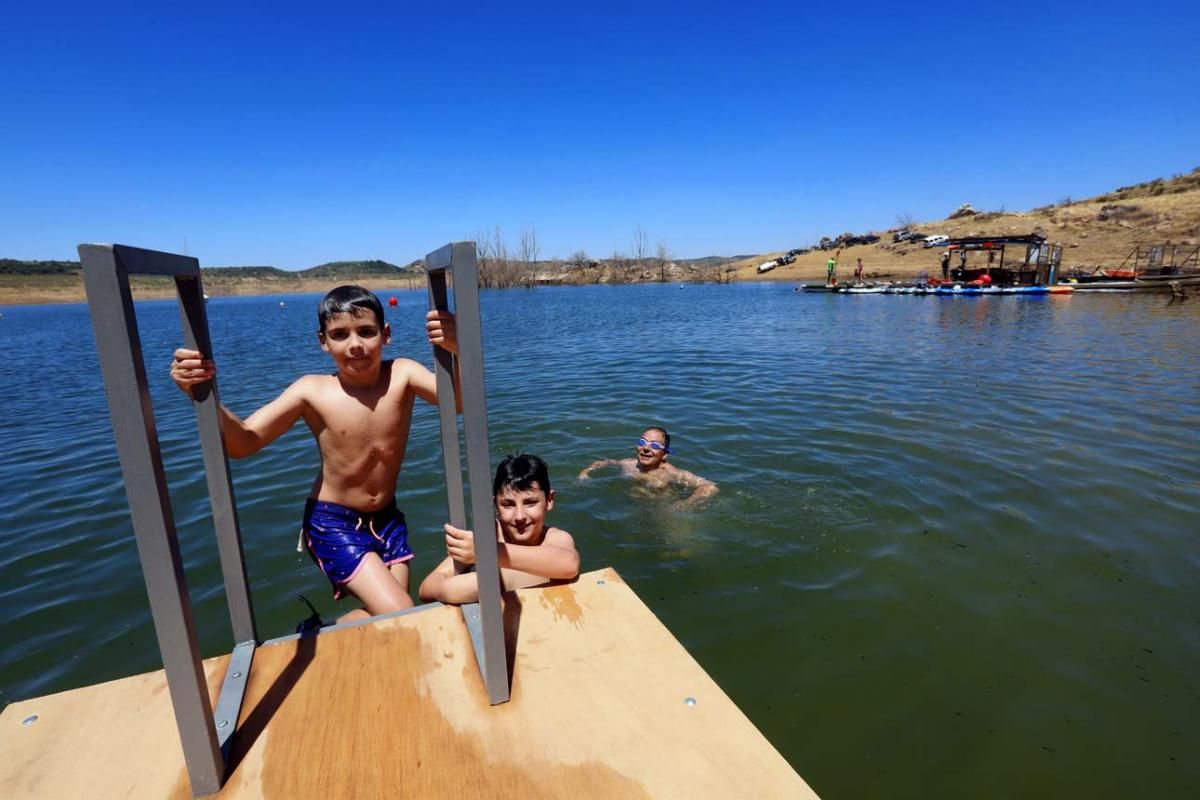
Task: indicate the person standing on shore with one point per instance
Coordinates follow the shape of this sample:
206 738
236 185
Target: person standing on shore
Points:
858 273
831 271
946 265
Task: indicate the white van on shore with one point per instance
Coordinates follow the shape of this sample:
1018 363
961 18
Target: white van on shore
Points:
936 240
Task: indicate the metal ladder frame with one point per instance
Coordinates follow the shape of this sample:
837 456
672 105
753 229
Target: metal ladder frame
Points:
485 618
206 734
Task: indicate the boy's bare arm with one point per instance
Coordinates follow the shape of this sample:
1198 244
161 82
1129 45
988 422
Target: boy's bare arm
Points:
555 558
242 437
446 587
513 579
424 382
268 423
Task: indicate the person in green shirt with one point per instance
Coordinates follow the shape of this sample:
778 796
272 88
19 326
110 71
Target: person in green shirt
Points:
830 270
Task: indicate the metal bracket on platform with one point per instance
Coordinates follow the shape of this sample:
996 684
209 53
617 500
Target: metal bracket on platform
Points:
106 271
485 622
229 703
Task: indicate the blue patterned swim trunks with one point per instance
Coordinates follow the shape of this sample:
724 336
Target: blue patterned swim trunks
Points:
338 538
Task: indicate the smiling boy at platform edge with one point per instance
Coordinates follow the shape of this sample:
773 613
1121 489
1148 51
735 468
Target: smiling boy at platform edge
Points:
650 466
360 418
528 552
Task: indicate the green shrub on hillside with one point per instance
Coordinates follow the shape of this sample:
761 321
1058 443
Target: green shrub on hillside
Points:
262 273
338 269
13 266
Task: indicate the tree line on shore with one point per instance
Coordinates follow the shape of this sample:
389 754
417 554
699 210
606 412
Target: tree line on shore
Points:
501 265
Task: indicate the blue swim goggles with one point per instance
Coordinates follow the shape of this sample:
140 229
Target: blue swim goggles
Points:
653 445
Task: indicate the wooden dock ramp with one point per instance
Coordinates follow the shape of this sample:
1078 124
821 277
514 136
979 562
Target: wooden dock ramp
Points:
605 703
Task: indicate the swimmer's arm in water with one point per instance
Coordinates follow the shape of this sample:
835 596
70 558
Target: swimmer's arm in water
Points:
604 462
248 436
702 489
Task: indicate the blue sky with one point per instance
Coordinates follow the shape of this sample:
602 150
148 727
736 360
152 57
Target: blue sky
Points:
293 134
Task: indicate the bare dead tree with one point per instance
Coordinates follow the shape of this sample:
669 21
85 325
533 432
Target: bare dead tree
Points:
661 257
484 259
582 268
579 260
621 267
641 249
905 220
528 256
504 268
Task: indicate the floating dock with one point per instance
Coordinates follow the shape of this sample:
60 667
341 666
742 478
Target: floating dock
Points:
572 690
956 289
604 703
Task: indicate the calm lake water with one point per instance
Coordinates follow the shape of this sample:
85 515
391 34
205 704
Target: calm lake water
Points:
954 554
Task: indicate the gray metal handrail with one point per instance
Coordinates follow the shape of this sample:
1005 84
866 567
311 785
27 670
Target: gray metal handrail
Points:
486 620
206 738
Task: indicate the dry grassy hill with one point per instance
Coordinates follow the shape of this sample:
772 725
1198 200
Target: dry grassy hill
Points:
1097 231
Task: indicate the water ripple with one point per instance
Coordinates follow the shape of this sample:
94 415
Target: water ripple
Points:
971 519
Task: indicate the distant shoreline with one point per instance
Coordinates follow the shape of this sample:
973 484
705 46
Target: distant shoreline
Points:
58 290
1107 230
40 292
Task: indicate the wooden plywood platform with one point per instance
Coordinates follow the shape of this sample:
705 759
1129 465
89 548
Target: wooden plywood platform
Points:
397 708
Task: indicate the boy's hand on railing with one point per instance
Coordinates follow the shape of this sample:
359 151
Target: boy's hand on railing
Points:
460 544
189 369
442 330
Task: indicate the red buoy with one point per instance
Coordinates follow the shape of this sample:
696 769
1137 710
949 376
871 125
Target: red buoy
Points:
391 301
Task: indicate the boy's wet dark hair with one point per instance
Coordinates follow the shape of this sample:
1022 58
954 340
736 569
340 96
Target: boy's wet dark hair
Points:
666 436
520 472
351 300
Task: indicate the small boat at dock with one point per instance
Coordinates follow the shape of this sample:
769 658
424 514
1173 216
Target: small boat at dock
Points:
1160 283
1147 268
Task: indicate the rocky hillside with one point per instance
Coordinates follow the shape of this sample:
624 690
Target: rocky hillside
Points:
1094 232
